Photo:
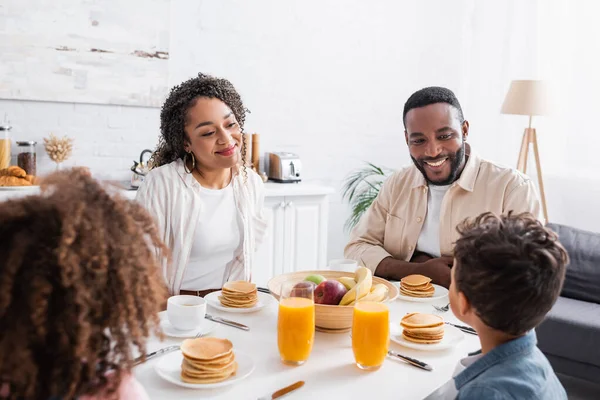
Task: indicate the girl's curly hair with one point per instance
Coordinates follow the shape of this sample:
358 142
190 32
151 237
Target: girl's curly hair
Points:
80 288
174 112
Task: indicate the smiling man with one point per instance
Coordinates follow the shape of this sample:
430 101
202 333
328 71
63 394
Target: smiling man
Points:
411 226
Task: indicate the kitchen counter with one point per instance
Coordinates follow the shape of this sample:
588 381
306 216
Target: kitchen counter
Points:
272 189
7 193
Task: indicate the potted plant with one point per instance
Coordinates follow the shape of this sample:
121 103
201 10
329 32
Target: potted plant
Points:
360 188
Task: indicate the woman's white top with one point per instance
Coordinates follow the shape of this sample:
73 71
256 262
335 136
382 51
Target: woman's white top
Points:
180 206
217 239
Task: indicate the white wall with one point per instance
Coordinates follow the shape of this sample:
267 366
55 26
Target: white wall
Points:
107 138
328 80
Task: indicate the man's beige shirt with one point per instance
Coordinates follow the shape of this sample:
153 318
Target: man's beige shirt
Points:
392 225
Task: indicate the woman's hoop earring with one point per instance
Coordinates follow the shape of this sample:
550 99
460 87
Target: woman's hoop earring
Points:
185 162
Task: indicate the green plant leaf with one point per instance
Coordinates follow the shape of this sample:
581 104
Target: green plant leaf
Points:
360 188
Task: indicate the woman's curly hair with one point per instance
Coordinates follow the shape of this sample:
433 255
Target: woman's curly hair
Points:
174 112
80 288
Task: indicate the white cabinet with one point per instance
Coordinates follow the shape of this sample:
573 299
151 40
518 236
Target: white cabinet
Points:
296 237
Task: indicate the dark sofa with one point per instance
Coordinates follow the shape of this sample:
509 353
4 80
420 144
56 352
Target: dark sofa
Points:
570 334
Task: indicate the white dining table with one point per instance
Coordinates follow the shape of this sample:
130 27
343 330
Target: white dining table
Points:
329 373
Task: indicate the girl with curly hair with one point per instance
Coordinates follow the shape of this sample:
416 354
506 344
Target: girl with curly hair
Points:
207 205
79 291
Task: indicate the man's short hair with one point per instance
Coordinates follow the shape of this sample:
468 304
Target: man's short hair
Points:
510 268
432 95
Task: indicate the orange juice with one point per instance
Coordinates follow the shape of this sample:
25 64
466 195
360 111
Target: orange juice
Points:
295 329
370 334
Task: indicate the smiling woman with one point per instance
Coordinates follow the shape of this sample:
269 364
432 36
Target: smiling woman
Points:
207 204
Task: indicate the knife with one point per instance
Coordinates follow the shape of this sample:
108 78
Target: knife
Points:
283 392
412 361
264 290
464 328
156 353
227 322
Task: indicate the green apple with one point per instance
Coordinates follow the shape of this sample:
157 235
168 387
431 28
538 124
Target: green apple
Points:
316 279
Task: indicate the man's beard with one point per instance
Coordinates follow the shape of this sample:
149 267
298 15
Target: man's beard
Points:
455 159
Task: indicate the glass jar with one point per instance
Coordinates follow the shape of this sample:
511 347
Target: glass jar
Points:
5 145
26 157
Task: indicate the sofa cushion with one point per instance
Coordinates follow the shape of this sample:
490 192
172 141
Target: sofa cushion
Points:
575 369
582 281
571 330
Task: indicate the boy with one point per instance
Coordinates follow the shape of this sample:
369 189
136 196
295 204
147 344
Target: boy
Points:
508 272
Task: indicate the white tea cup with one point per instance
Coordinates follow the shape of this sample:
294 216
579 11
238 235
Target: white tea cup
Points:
186 312
344 265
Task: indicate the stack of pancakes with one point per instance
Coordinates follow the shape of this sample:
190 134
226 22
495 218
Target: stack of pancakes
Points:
422 328
239 294
416 286
207 360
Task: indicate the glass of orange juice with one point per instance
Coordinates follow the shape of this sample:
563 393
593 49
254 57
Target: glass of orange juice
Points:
296 322
370 333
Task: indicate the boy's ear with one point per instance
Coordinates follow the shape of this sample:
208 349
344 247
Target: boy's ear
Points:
464 306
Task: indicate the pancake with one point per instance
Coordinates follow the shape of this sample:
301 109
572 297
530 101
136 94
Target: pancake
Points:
426 292
420 320
206 348
421 340
415 280
416 285
239 287
422 328
207 360
239 294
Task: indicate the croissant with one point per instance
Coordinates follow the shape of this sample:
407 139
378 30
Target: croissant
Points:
13 171
31 179
13 181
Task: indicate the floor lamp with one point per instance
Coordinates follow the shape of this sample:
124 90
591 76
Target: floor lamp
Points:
528 97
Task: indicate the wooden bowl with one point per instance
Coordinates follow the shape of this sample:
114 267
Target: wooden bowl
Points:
331 319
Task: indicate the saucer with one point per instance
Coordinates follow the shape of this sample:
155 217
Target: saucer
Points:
204 329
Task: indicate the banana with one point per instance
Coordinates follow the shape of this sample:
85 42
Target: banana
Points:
379 293
347 281
364 280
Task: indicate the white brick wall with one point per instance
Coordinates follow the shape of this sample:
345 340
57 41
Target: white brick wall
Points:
107 138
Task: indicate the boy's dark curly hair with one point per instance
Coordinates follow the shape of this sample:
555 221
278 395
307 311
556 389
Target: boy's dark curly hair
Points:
511 268
174 111
80 288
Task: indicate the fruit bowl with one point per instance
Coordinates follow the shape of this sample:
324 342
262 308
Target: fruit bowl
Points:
330 319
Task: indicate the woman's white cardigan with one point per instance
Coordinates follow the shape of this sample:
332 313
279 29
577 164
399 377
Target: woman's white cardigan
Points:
172 197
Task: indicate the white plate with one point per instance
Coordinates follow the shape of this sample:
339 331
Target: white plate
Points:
169 368
168 329
264 299
452 336
19 188
439 294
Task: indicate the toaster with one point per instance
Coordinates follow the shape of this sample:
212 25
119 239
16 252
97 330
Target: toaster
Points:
284 167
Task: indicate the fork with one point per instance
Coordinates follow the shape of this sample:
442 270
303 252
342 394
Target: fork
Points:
442 309
164 350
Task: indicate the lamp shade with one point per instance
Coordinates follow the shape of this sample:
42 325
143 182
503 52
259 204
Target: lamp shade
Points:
527 97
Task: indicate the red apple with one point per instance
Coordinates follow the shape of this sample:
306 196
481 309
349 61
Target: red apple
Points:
297 290
330 292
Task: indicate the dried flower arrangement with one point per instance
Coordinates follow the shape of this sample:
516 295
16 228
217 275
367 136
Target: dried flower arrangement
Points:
58 149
